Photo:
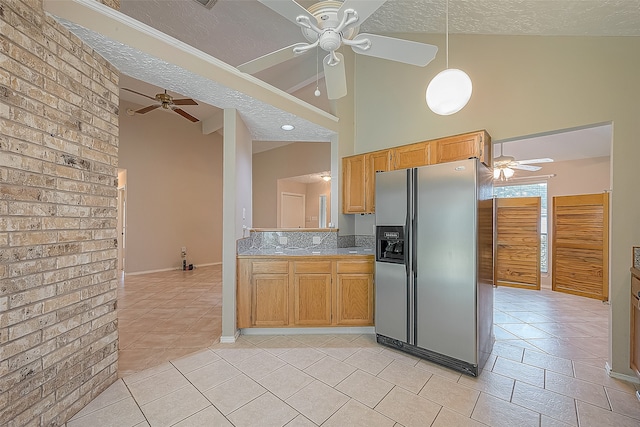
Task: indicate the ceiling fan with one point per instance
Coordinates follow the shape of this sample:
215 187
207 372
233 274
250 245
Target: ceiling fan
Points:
166 101
503 166
329 25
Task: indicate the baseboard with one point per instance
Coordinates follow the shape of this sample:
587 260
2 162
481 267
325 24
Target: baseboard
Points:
335 330
624 377
136 273
230 339
208 264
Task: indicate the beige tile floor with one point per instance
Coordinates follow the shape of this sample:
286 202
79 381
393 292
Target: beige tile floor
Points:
547 370
163 316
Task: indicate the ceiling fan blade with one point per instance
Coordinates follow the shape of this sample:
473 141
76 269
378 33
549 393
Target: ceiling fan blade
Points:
147 109
185 101
526 167
287 8
406 51
530 161
365 8
138 93
269 60
335 77
185 115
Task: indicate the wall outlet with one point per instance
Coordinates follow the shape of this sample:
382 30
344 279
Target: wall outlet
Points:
317 240
184 249
283 240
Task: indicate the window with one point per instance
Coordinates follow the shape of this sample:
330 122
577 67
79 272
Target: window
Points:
531 190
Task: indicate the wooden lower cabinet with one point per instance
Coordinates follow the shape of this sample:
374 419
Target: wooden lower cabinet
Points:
281 292
354 293
269 299
312 292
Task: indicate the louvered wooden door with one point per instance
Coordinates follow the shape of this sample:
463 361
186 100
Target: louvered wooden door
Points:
580 250
517 257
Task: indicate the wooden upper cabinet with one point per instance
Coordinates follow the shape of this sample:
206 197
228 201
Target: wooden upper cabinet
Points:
353 184
412 155
378 161
461 147
359 172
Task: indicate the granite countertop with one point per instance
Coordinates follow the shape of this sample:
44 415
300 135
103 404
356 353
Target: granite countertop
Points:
307 251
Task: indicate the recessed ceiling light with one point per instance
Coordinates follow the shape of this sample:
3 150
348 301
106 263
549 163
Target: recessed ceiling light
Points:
287 127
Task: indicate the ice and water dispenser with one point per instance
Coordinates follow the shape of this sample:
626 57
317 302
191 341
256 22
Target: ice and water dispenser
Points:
390 245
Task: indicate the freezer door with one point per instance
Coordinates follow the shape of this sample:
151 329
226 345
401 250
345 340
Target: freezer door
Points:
445 245
391 278
391 197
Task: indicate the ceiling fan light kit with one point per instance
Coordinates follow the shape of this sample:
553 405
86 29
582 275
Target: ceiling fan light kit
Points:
450 90
503 174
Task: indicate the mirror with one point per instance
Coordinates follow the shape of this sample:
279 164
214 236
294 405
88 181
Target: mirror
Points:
304 201
293 171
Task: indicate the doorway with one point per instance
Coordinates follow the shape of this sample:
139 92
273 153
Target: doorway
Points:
121 226
292 210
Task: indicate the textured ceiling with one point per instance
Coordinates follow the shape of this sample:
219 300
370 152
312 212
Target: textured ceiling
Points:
236 31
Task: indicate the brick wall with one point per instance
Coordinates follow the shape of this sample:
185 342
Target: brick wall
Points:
58 160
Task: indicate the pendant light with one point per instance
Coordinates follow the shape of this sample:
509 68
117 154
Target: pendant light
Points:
450 90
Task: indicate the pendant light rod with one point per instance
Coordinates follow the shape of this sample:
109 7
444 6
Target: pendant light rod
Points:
450 90
446 32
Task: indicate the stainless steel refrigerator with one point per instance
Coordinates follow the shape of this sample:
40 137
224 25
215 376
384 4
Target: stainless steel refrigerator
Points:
434 263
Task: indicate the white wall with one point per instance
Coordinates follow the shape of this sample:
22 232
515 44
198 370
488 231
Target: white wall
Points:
237 210
174 190
524 86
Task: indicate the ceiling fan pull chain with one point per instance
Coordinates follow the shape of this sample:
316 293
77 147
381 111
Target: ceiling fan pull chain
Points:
317 92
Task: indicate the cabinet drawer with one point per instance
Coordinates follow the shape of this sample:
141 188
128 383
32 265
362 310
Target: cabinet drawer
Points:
312 266
270 266
355 267
635 286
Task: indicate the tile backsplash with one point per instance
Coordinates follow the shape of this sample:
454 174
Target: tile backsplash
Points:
301 240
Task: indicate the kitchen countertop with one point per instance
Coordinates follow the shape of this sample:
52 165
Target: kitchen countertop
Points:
306 252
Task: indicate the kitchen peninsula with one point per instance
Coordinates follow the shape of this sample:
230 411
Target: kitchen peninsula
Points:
304 278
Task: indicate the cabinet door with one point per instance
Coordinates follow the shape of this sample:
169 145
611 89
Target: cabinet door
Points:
461 147
355 299
412 155
378 161
353 181
312 303
270 301
635 325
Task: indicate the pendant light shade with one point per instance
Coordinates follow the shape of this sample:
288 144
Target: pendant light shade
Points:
449 91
